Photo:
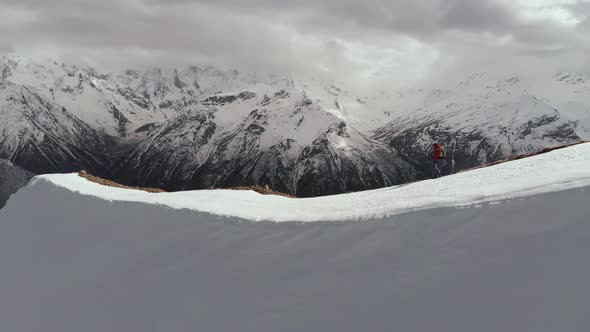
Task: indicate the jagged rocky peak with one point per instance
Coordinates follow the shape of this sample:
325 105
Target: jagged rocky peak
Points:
266 136
43 137
354 161
87 94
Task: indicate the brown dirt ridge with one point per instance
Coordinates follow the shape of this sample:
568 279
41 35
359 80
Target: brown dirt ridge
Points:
259 189
110 183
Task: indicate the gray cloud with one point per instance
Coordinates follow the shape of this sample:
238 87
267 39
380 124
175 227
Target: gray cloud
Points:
364 42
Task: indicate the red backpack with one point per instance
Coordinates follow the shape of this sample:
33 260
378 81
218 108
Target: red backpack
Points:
438 152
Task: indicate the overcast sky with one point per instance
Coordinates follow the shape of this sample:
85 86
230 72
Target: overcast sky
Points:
362 42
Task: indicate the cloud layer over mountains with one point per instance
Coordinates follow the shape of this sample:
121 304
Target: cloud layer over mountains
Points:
363 42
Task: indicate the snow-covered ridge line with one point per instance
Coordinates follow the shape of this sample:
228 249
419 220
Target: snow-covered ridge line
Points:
554 171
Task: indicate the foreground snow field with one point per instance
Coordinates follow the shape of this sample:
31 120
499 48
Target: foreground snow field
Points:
496 249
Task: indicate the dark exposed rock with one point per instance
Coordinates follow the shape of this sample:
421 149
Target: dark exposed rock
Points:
220 100
121 120
178 83
246 95
349 168
141 100
166 104
49 139
12 178
146 128
282 94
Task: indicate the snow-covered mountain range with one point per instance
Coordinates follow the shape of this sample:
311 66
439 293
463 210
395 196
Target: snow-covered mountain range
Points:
203 127
263 136
42 136
485 119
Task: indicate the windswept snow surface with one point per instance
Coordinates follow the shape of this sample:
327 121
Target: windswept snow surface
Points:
558 170
96 259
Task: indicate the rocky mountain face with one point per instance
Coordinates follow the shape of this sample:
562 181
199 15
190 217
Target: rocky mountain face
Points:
203 127
525 125
43 137
12 178
284 140
485 120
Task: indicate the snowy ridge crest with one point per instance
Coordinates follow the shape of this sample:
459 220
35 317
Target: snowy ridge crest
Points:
505 181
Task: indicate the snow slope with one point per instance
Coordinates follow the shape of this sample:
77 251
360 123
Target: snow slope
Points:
510 180
87 258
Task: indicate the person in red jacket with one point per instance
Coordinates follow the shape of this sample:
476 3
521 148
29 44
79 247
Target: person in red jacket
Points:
438 155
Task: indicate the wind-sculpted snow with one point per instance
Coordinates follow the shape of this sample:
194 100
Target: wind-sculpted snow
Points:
89 258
